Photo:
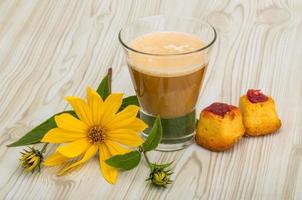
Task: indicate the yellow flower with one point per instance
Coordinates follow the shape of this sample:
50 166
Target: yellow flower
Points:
100 128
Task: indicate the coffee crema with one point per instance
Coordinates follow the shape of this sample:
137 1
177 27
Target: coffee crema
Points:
168 73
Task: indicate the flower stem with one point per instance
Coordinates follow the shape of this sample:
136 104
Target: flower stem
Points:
110 79
147 159
44 148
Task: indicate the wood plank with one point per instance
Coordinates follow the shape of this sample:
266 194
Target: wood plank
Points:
51 49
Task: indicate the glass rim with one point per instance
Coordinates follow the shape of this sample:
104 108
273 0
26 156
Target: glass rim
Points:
167 54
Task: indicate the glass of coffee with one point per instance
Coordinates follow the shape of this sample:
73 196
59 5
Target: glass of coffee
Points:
167 58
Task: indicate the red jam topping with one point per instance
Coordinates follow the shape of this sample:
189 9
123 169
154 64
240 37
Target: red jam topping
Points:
255 96
219 108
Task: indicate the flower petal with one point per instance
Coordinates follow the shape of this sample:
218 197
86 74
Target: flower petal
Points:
95 104
123 118
33 159
69 122
115 148
109 173
125 136
138 125
89 154
33 166
55 159
81 109
74 149
58 135
111 105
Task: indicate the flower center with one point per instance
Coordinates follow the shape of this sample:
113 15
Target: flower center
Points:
96 134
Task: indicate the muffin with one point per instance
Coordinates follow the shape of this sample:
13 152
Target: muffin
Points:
220 127
259 113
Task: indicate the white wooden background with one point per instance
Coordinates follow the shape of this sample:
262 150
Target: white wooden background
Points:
50 49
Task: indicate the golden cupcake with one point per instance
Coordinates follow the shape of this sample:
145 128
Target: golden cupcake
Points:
220 127
259 113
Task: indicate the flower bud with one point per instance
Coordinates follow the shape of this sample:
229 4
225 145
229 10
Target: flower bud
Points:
160 176
31 159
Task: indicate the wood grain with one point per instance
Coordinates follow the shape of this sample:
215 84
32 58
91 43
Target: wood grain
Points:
50 49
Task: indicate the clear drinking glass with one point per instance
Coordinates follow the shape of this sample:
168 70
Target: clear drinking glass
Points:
167 83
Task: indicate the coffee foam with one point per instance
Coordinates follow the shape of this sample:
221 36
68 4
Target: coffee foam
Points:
167 43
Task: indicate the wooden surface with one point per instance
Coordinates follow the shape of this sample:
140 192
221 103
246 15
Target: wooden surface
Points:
50 49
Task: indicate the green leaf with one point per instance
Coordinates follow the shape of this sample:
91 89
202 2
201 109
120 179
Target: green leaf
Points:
161 166
104 88
36 134
126 161
154 136
131 100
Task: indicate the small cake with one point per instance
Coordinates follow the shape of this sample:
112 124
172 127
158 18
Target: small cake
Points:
220 127
259 113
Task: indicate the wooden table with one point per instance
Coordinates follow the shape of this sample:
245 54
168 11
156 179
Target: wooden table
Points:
50 49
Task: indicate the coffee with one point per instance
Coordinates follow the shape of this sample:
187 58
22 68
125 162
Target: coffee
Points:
167 57
168 77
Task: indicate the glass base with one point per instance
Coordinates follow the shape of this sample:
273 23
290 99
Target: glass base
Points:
178 132
173 145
